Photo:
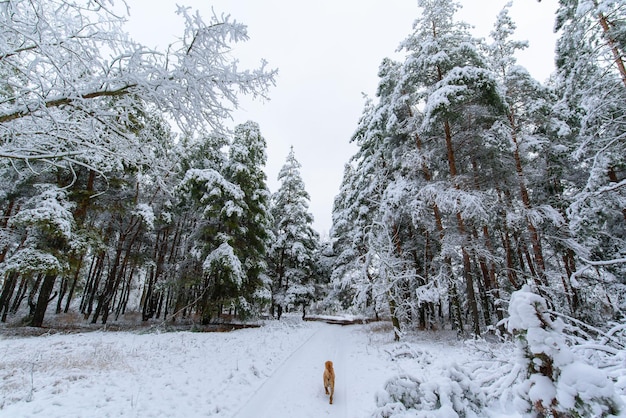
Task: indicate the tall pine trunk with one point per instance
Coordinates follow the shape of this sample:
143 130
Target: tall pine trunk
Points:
467 265
456 310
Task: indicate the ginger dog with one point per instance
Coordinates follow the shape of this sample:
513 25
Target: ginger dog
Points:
329 379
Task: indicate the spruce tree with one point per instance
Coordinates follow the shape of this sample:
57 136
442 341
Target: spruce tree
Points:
246 161
293 251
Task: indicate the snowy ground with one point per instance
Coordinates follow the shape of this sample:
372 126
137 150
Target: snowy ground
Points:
273 371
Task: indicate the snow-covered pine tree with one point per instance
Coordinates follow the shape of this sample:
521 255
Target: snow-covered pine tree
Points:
556 383
454 104
342 235
531 210
378 203
591 83
293 252
46 225
214 278
357 208
186 214
251 235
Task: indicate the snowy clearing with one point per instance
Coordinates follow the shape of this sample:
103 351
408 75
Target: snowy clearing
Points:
272 371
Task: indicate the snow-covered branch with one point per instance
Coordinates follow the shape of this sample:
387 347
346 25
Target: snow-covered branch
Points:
74 84
604 262
28 110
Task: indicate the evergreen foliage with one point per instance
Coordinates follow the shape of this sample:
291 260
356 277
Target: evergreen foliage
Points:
472 179
294 250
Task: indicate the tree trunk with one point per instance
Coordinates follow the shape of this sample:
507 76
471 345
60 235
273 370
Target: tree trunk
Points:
43 299
572 293
467 272
93 284
617 54
72 289
456 311
147 309
494 286
33 292
532 230
116 272
3 224
394 318
107 292
510 256
19 296
62 290
8 287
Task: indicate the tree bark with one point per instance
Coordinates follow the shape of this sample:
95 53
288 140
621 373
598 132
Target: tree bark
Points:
70 293
532 230
617 55
8 287
62 101
43 299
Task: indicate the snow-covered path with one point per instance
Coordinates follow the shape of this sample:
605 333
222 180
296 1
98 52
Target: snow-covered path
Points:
273 371
296 389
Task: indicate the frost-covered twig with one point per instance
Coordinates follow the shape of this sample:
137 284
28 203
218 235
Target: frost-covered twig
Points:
608 336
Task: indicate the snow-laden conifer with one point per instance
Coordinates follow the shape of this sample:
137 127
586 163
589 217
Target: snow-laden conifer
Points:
557 383
295 242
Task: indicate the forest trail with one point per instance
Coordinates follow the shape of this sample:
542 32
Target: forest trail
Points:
296 388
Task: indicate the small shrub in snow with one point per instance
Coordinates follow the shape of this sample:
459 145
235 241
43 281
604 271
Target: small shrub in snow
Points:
451 395
405 351
557 384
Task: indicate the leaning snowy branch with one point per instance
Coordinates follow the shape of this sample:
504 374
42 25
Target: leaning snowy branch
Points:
73 85
581 327
29 109
589 264
604 262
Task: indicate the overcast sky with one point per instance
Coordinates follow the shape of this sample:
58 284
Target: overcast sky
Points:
327 53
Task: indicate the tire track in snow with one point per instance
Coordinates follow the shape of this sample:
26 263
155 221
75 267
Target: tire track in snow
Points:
296 388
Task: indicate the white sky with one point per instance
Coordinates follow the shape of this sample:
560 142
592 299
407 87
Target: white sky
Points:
327 53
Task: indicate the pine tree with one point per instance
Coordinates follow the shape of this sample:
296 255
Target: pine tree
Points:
48 229
454 102
357 206
591 84
525 140
293 251
246 161
214 275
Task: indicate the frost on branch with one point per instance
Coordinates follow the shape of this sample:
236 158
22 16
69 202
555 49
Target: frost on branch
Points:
48 211
557 383
224 261
47 223
145 212
75 89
